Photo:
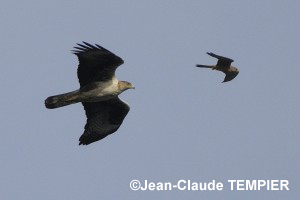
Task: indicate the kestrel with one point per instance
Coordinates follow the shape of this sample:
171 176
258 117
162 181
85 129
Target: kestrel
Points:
223 65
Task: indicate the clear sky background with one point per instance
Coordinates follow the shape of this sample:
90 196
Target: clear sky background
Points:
183 123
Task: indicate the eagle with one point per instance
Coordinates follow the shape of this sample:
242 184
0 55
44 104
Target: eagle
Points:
223 65
98 92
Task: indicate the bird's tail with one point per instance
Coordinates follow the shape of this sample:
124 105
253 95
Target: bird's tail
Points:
62 100
204 66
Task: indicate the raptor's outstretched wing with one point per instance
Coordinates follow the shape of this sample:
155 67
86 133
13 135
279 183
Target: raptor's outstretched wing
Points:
230 75
95 63
222 61
103 118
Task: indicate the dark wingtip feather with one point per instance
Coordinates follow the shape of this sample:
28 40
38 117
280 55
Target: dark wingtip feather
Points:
76 52
84 141
97 45
80 48
89 45
85 47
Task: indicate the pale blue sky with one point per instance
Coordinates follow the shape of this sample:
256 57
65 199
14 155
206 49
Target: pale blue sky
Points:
183 124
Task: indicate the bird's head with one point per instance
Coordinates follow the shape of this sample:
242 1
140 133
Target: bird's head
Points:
124 85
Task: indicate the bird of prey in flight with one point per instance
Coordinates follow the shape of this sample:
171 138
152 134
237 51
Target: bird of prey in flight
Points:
223 65
98 92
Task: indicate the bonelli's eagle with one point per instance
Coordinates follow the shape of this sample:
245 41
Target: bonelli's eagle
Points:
98 92
223 65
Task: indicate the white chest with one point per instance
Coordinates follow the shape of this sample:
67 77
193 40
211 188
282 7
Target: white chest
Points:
101 91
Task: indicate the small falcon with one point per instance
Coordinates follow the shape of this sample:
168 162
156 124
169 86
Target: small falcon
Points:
223 65
98 92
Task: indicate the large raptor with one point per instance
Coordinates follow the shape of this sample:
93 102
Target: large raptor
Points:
98 92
